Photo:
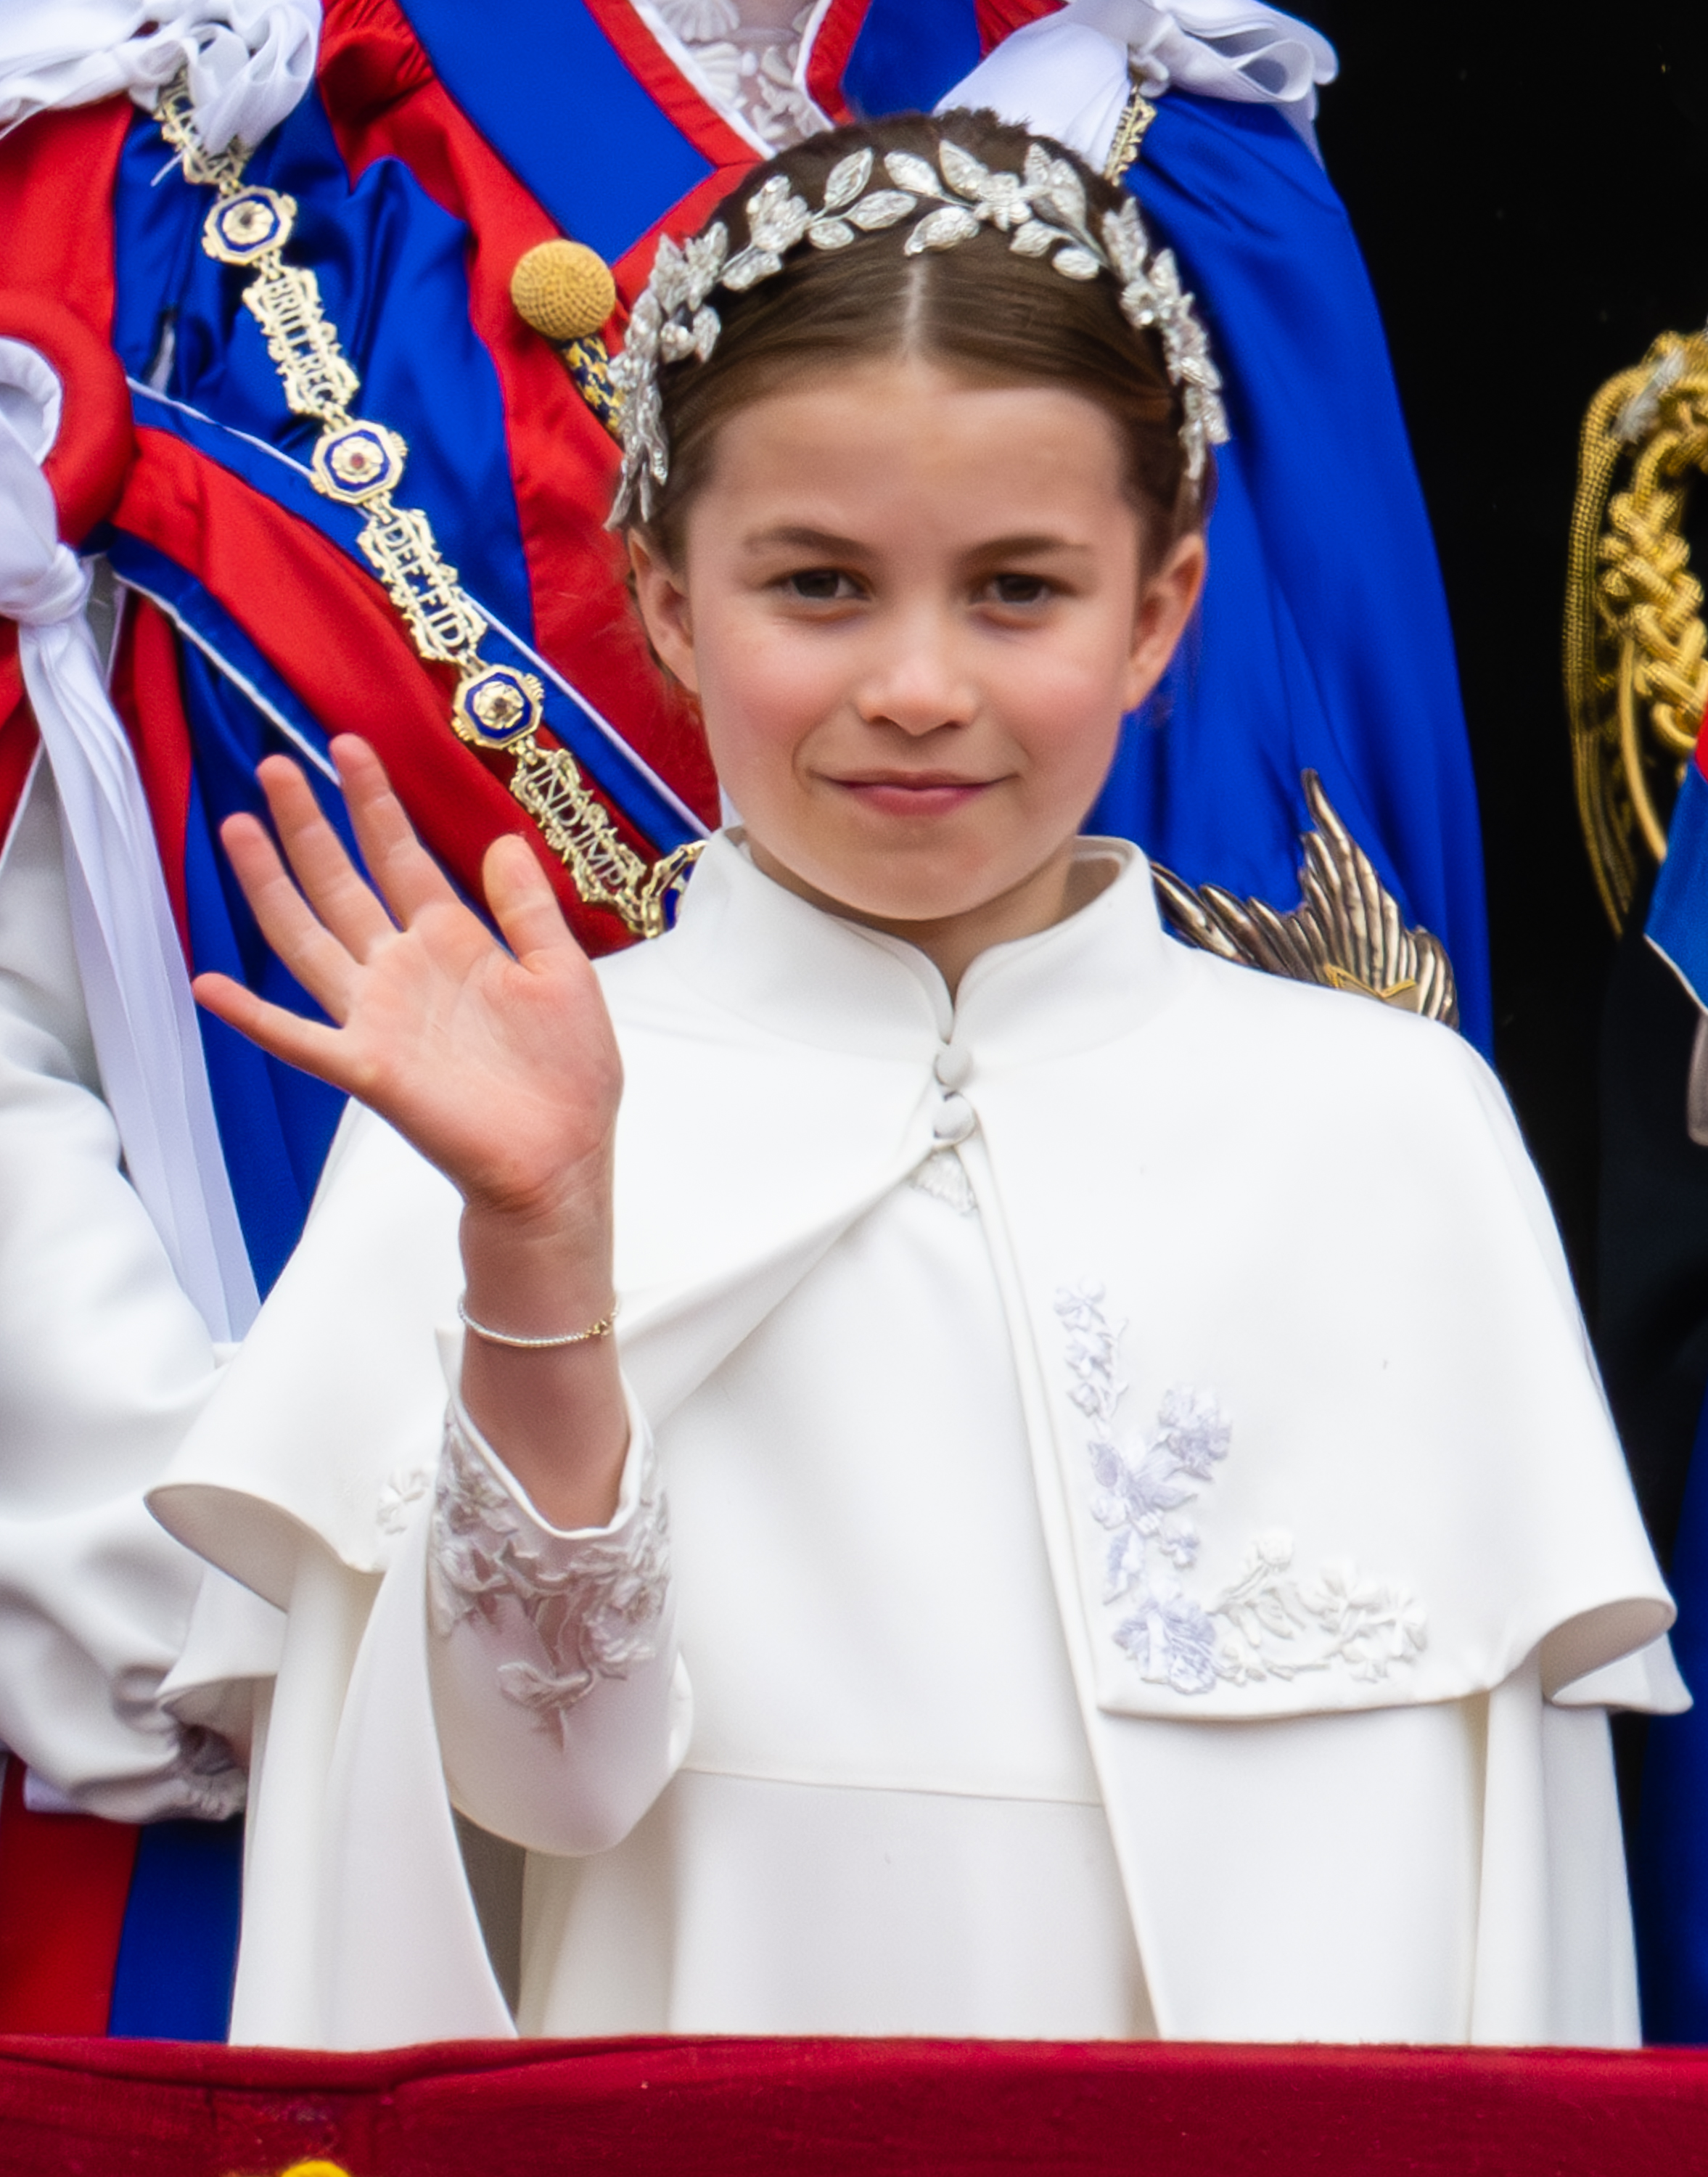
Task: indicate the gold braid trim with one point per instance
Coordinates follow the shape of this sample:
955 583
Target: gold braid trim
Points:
359 464
1130 133
1636 651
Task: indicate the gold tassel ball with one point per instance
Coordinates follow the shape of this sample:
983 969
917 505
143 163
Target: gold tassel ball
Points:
563 290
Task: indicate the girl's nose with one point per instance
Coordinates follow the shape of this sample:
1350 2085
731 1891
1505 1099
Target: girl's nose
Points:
918 683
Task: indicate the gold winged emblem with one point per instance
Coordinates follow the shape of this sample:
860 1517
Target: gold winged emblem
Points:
1347 932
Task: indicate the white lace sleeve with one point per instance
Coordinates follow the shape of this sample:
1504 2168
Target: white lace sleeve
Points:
561 1710
593 1602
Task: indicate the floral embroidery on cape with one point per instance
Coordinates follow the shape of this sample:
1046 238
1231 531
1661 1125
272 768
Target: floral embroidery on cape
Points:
1269 1623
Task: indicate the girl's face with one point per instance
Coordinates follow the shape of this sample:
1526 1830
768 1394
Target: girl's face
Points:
914 609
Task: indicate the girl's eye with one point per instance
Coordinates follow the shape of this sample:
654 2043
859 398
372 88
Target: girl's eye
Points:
1018 589
820 586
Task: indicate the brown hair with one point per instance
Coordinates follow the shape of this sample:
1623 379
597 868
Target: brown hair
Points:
978 306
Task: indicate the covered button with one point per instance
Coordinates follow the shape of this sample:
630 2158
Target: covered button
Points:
956 1119
954 1064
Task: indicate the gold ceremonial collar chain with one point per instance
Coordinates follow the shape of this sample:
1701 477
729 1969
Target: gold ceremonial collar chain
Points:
359 464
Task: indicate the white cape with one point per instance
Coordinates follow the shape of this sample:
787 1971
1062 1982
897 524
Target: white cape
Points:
1287 1240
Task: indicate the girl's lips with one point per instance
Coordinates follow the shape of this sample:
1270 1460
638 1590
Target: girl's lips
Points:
920 795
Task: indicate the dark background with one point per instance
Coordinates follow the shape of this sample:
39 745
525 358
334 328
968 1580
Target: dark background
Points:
1530 185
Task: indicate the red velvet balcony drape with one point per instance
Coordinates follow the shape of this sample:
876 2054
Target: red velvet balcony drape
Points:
733 2108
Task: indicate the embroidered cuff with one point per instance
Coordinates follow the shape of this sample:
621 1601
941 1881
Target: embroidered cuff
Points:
592 1599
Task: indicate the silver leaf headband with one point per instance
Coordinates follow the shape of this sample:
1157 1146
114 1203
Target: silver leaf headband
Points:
1044 213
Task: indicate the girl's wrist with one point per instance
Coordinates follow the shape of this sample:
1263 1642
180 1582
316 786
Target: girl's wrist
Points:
539 1274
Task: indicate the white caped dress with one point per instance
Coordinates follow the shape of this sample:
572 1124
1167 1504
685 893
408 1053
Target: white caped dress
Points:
1122 1533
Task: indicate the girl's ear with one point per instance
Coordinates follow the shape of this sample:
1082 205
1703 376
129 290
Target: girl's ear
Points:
1166 601
663 604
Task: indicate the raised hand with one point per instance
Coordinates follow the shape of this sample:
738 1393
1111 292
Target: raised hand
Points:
500 1066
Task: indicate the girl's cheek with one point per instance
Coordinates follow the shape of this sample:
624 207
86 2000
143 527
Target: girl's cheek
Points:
755 724
1072 737
791 683
1054 705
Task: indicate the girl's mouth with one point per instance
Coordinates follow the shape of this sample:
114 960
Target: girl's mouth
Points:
912 794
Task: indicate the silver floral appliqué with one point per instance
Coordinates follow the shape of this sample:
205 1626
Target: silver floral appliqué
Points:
594 1603
1269 1623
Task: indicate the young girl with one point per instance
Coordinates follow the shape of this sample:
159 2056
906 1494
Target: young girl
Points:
1104 1524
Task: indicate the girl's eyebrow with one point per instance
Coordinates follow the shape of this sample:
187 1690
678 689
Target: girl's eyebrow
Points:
1024 547
805 540
801 538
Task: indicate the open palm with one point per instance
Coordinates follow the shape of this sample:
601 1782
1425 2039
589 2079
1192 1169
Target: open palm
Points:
500 1066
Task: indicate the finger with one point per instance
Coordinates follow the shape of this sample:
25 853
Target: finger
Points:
523 904
405 872
335 887
307 1044
321 963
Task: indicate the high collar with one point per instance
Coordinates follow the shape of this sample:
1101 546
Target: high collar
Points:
748 946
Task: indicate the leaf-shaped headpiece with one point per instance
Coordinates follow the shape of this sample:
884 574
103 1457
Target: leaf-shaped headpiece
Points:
1042 210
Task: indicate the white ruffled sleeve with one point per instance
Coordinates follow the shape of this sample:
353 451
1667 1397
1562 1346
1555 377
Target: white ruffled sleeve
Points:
104 1365
561 1704
248 61
1069 73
